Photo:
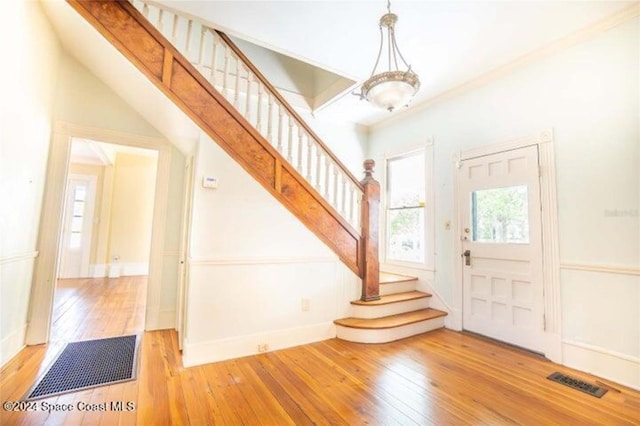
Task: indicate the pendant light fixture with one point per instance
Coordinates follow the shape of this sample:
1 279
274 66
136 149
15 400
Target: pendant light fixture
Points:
393 88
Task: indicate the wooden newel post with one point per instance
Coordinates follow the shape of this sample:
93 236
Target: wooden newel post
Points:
370 234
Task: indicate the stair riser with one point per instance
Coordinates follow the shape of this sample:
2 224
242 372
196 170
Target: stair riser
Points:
378 311
399 287
360 335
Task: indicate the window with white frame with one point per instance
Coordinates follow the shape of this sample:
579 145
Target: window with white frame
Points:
406 213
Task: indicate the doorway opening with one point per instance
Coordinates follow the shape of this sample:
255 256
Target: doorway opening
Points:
105 241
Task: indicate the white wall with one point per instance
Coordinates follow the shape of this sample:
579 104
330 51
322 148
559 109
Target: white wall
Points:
29 75
589 95
132 206
82 98
251 264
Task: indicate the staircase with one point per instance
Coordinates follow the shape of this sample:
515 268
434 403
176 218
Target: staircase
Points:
208 77
400 312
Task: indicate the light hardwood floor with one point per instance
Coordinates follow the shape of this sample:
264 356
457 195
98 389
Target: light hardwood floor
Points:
442 378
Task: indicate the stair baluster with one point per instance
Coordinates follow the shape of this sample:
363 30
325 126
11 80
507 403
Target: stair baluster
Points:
128 30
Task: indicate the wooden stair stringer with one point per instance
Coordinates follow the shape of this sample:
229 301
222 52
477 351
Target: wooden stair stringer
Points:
146 48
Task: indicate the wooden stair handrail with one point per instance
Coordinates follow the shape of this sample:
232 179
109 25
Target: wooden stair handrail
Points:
166 67
142 44
275 92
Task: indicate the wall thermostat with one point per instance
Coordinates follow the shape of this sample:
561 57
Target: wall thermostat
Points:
209 182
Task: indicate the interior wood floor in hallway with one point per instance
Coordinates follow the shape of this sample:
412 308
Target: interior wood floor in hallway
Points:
441 378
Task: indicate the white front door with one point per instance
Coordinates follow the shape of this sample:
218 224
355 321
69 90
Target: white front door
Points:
502 247
75 244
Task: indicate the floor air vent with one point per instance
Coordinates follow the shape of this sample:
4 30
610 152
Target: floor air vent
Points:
577 384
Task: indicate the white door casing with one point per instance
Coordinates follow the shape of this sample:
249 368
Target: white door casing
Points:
77 230
43 285
500 211
183 269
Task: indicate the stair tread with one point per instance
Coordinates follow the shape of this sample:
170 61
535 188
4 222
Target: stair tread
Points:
391 321
393 298
389 278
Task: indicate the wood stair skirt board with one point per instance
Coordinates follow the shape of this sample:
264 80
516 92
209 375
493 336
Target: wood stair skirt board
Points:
401 312
146 48
388 329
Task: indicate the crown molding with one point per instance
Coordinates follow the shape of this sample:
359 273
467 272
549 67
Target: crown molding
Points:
598 27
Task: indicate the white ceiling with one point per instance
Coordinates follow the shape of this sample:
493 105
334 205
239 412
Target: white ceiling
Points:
447 42
86 151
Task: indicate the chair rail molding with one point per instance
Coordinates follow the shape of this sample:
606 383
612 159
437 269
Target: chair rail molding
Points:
18 257
606 269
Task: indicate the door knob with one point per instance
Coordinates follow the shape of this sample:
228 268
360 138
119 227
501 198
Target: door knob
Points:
467 257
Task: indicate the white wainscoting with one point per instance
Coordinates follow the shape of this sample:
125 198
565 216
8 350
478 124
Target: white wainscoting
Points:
235 305
601 321
12 344
617 367
235 347
17 270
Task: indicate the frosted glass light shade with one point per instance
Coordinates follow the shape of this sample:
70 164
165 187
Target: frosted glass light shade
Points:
391 89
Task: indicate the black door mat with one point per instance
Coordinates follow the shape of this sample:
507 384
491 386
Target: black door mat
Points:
578 384
88 364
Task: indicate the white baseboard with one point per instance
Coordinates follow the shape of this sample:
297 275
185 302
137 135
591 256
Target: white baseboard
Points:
235 347
98 270
115 270
157 319
12 344
619 368
453 321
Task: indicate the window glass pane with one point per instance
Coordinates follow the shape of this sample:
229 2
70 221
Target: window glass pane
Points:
78 208
406 235
76 224
405 181
75 240
80 193
500 215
